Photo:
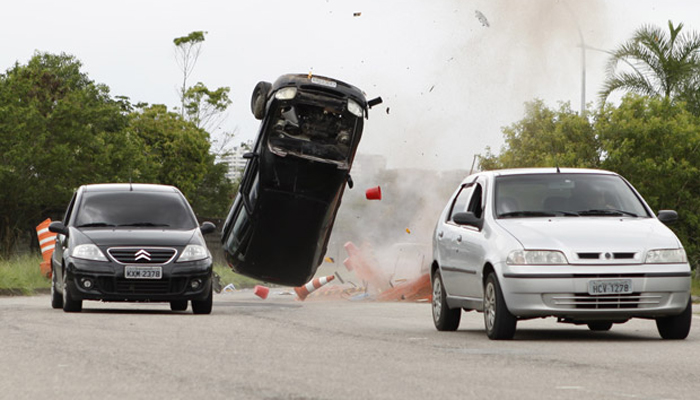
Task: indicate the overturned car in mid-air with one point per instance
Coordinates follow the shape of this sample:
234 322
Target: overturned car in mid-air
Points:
278 227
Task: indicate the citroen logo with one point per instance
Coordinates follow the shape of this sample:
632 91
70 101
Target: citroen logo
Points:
142 255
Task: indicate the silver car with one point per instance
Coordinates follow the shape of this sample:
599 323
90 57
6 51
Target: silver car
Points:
576 244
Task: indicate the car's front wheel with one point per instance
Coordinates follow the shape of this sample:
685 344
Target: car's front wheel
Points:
69 303
678 326
500 323
56 298
445 318
203 306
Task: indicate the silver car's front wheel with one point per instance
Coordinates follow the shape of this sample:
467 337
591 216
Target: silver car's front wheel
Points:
500 323
444 318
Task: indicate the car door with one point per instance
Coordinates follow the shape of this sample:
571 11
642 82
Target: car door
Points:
62 243
449 237
465 245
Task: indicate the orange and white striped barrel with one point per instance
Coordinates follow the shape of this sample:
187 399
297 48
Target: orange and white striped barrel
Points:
303 291
47 241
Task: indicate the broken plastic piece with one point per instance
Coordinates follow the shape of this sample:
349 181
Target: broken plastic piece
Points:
261 291
374 193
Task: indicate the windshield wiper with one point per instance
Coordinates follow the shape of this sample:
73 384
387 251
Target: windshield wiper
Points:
527 214
608 212
94 224
143 224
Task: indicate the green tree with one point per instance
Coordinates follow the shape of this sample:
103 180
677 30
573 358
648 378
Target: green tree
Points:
546 138
655 143
58 130
654 63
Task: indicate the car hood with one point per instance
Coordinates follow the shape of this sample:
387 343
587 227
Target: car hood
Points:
138 237
583 234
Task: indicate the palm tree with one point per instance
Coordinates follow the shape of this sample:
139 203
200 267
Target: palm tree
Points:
656 63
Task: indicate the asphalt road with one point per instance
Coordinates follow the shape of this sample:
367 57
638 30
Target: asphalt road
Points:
281 348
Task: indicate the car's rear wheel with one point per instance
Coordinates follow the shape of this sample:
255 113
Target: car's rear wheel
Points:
258 99
69 303
445 318
600 326
678 326
500 323
56 297
178 305
203 306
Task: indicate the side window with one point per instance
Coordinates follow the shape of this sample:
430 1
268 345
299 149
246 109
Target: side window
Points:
476 202
461 200
69 210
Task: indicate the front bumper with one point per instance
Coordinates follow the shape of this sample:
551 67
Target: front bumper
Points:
562 291
180 281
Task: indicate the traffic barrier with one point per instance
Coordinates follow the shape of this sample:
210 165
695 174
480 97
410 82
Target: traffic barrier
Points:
418 289
261 291
303 291
47 242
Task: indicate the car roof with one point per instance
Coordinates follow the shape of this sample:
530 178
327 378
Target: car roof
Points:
534 171
129 187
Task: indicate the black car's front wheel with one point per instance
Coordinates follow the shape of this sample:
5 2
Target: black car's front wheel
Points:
500 323
203 306
178 305
70 304
444 318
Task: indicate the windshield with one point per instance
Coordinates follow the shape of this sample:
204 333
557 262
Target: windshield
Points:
134 209
319 132
545 195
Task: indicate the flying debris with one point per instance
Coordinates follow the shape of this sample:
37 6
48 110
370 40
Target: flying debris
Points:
482 18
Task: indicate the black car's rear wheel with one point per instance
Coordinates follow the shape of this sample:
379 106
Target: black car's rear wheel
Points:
258 99
444 318
500 323
56 298
203 306
178 305
678 326
69 303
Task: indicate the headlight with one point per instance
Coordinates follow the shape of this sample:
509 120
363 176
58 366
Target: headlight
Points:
88 252
193 252
287 93
354 108
666 256
536 257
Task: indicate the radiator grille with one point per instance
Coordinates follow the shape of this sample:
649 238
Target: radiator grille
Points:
142 255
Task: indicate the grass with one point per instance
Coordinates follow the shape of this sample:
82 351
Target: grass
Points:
21 274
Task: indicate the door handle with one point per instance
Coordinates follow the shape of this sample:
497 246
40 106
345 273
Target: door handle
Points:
459 238
441 234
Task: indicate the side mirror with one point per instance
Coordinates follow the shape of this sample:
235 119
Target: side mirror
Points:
58 227
468 218
665 216
207 227
249 155
374 102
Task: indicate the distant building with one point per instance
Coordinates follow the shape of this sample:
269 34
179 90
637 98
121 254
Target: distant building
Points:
236 162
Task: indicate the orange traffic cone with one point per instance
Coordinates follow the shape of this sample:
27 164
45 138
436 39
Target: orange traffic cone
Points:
303 291
46 242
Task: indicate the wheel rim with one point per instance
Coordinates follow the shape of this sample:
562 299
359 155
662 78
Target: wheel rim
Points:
490 306
437 298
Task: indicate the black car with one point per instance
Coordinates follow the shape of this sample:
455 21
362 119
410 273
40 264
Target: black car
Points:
134 243
278 227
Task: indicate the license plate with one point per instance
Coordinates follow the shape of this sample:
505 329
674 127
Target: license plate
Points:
323 82
618 286
143 272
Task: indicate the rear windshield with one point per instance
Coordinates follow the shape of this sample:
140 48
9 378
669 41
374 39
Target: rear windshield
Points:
134 209
566 195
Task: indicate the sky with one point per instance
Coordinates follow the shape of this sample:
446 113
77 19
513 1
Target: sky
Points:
450 80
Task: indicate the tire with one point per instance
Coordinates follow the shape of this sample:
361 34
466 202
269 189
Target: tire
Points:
600 326
499 322
69 303
676 327
444 318
203 306
56 297
259 99
178 305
